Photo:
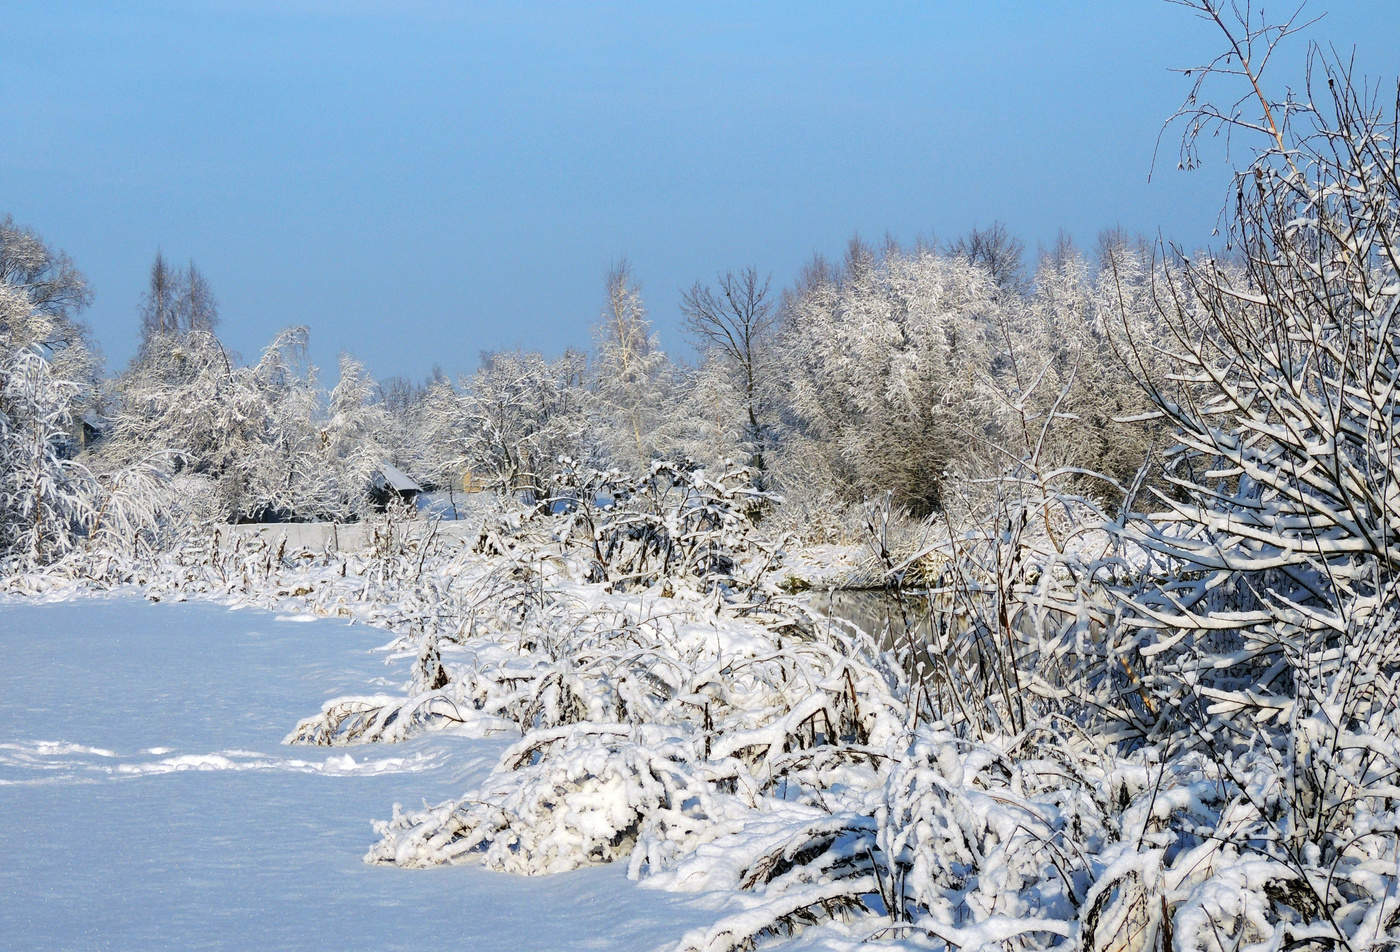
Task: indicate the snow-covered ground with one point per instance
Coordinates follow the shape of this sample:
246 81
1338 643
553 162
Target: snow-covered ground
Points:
146 800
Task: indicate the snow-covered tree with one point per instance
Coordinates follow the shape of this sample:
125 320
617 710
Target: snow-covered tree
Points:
186 394
712 404
285 468
45 499
260 436
632 379
51 504
1076 347
886 368
402 401
353 440
43 294
520 414
439 435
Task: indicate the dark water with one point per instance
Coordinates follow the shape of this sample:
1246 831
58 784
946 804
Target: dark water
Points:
888 618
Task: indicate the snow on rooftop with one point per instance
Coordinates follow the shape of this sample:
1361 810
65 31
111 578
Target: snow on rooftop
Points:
398 480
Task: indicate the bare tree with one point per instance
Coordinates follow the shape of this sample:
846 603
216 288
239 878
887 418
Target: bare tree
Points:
736 323
995 249
195 307
158 305
176 302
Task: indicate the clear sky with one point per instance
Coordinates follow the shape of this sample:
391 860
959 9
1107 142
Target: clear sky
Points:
419 181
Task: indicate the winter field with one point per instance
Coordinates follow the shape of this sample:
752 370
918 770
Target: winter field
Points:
147 801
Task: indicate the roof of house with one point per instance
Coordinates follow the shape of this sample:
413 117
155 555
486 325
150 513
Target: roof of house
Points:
398 480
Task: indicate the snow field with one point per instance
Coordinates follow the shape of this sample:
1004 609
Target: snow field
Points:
146 801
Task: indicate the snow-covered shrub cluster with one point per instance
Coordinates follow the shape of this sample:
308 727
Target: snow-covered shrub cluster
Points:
652 721
677 521
1270 628
651 725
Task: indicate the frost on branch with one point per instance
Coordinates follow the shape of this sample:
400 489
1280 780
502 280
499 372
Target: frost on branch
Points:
663 727
1266 632
46 500
562 799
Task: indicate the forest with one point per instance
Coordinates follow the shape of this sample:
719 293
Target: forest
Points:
1133 504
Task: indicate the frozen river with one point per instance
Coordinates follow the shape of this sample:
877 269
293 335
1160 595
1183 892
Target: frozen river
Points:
146 800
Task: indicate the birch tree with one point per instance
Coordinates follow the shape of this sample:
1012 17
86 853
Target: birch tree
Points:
632 377
734 327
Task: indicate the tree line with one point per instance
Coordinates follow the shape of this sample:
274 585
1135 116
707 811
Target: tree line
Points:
885 371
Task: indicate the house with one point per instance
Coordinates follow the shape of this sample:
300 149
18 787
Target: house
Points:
390 482
85 431
91 428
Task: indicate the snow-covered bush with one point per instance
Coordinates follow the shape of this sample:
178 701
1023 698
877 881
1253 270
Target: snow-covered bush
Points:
1264 625
46 500
676 521
652 722
644 712
565 798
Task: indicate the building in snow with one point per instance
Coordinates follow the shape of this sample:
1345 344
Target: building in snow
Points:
389 482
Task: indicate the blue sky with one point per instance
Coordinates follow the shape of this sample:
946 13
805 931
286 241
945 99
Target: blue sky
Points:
420 181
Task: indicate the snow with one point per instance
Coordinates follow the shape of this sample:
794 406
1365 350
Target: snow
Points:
455 505
824 565
146 801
